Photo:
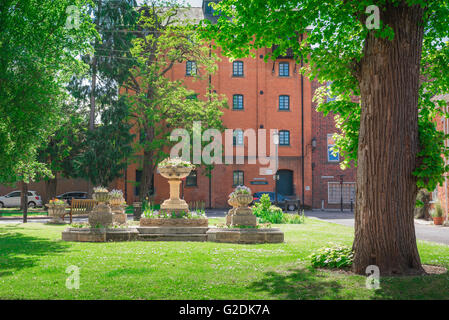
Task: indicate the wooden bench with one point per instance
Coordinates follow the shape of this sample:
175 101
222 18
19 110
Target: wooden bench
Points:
80 206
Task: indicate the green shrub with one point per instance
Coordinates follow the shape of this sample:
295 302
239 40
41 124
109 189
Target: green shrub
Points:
333 256
294 218
437 211
268 213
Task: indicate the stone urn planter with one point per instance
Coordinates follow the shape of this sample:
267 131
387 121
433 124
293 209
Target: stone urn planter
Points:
174 170
101 215
101 197
241 214
56 212
243 200
234 204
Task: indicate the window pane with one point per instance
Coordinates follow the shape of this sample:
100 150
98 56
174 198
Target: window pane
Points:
238 178
284 137
238 137
191 179
284 102
191 68
335 190
237 68
284 69
237 101
331 156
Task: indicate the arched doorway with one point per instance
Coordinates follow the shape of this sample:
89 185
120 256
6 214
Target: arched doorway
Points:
284 184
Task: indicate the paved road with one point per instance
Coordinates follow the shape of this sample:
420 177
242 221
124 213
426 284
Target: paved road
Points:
427 232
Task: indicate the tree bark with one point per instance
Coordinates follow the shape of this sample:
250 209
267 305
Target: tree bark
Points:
50 189
24 201
147 175
388 146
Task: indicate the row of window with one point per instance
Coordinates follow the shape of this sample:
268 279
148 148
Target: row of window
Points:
238 102
237 178
284 137
237 69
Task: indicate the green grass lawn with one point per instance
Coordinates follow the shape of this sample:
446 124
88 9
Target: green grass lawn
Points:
33 262
15 212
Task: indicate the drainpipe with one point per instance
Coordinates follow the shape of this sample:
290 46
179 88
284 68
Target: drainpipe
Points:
302 128
446 161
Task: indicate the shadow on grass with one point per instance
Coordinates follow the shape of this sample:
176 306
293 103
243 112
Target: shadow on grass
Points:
19 251
298 284
411 288
308 283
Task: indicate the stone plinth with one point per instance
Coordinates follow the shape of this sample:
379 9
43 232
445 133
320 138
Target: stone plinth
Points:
242 216
99 234
245 235
118 214
101 215
172 233
181 222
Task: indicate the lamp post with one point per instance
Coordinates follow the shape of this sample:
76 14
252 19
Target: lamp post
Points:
276 176
341 192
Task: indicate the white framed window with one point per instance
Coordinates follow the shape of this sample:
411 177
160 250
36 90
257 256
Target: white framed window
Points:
238 137
331 155
434 196
334 190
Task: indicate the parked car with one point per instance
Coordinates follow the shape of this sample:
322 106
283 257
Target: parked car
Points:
13 199
68 196
280 197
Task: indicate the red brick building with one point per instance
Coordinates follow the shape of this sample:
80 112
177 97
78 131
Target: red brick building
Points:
270 95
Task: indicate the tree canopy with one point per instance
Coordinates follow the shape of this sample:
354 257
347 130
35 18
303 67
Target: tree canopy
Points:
39 48
335 34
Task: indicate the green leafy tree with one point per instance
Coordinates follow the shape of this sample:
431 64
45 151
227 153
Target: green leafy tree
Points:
39 48
159 104
62 147
395 67
106 147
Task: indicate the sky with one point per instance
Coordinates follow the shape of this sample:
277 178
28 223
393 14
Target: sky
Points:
193 3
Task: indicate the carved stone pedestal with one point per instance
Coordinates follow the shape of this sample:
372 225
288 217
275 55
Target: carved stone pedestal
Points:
100 215
243 216
118 214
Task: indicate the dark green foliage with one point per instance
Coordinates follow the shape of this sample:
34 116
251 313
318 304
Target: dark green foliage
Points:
107 147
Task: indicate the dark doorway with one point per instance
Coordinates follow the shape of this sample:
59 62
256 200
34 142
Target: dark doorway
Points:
285 183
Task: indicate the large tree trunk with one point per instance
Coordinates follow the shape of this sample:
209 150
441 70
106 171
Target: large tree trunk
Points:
50 189
147 175
388 146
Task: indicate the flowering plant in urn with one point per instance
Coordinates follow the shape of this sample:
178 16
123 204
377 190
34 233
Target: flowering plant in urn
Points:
101 194
175 168
116 197
56 210
242 196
